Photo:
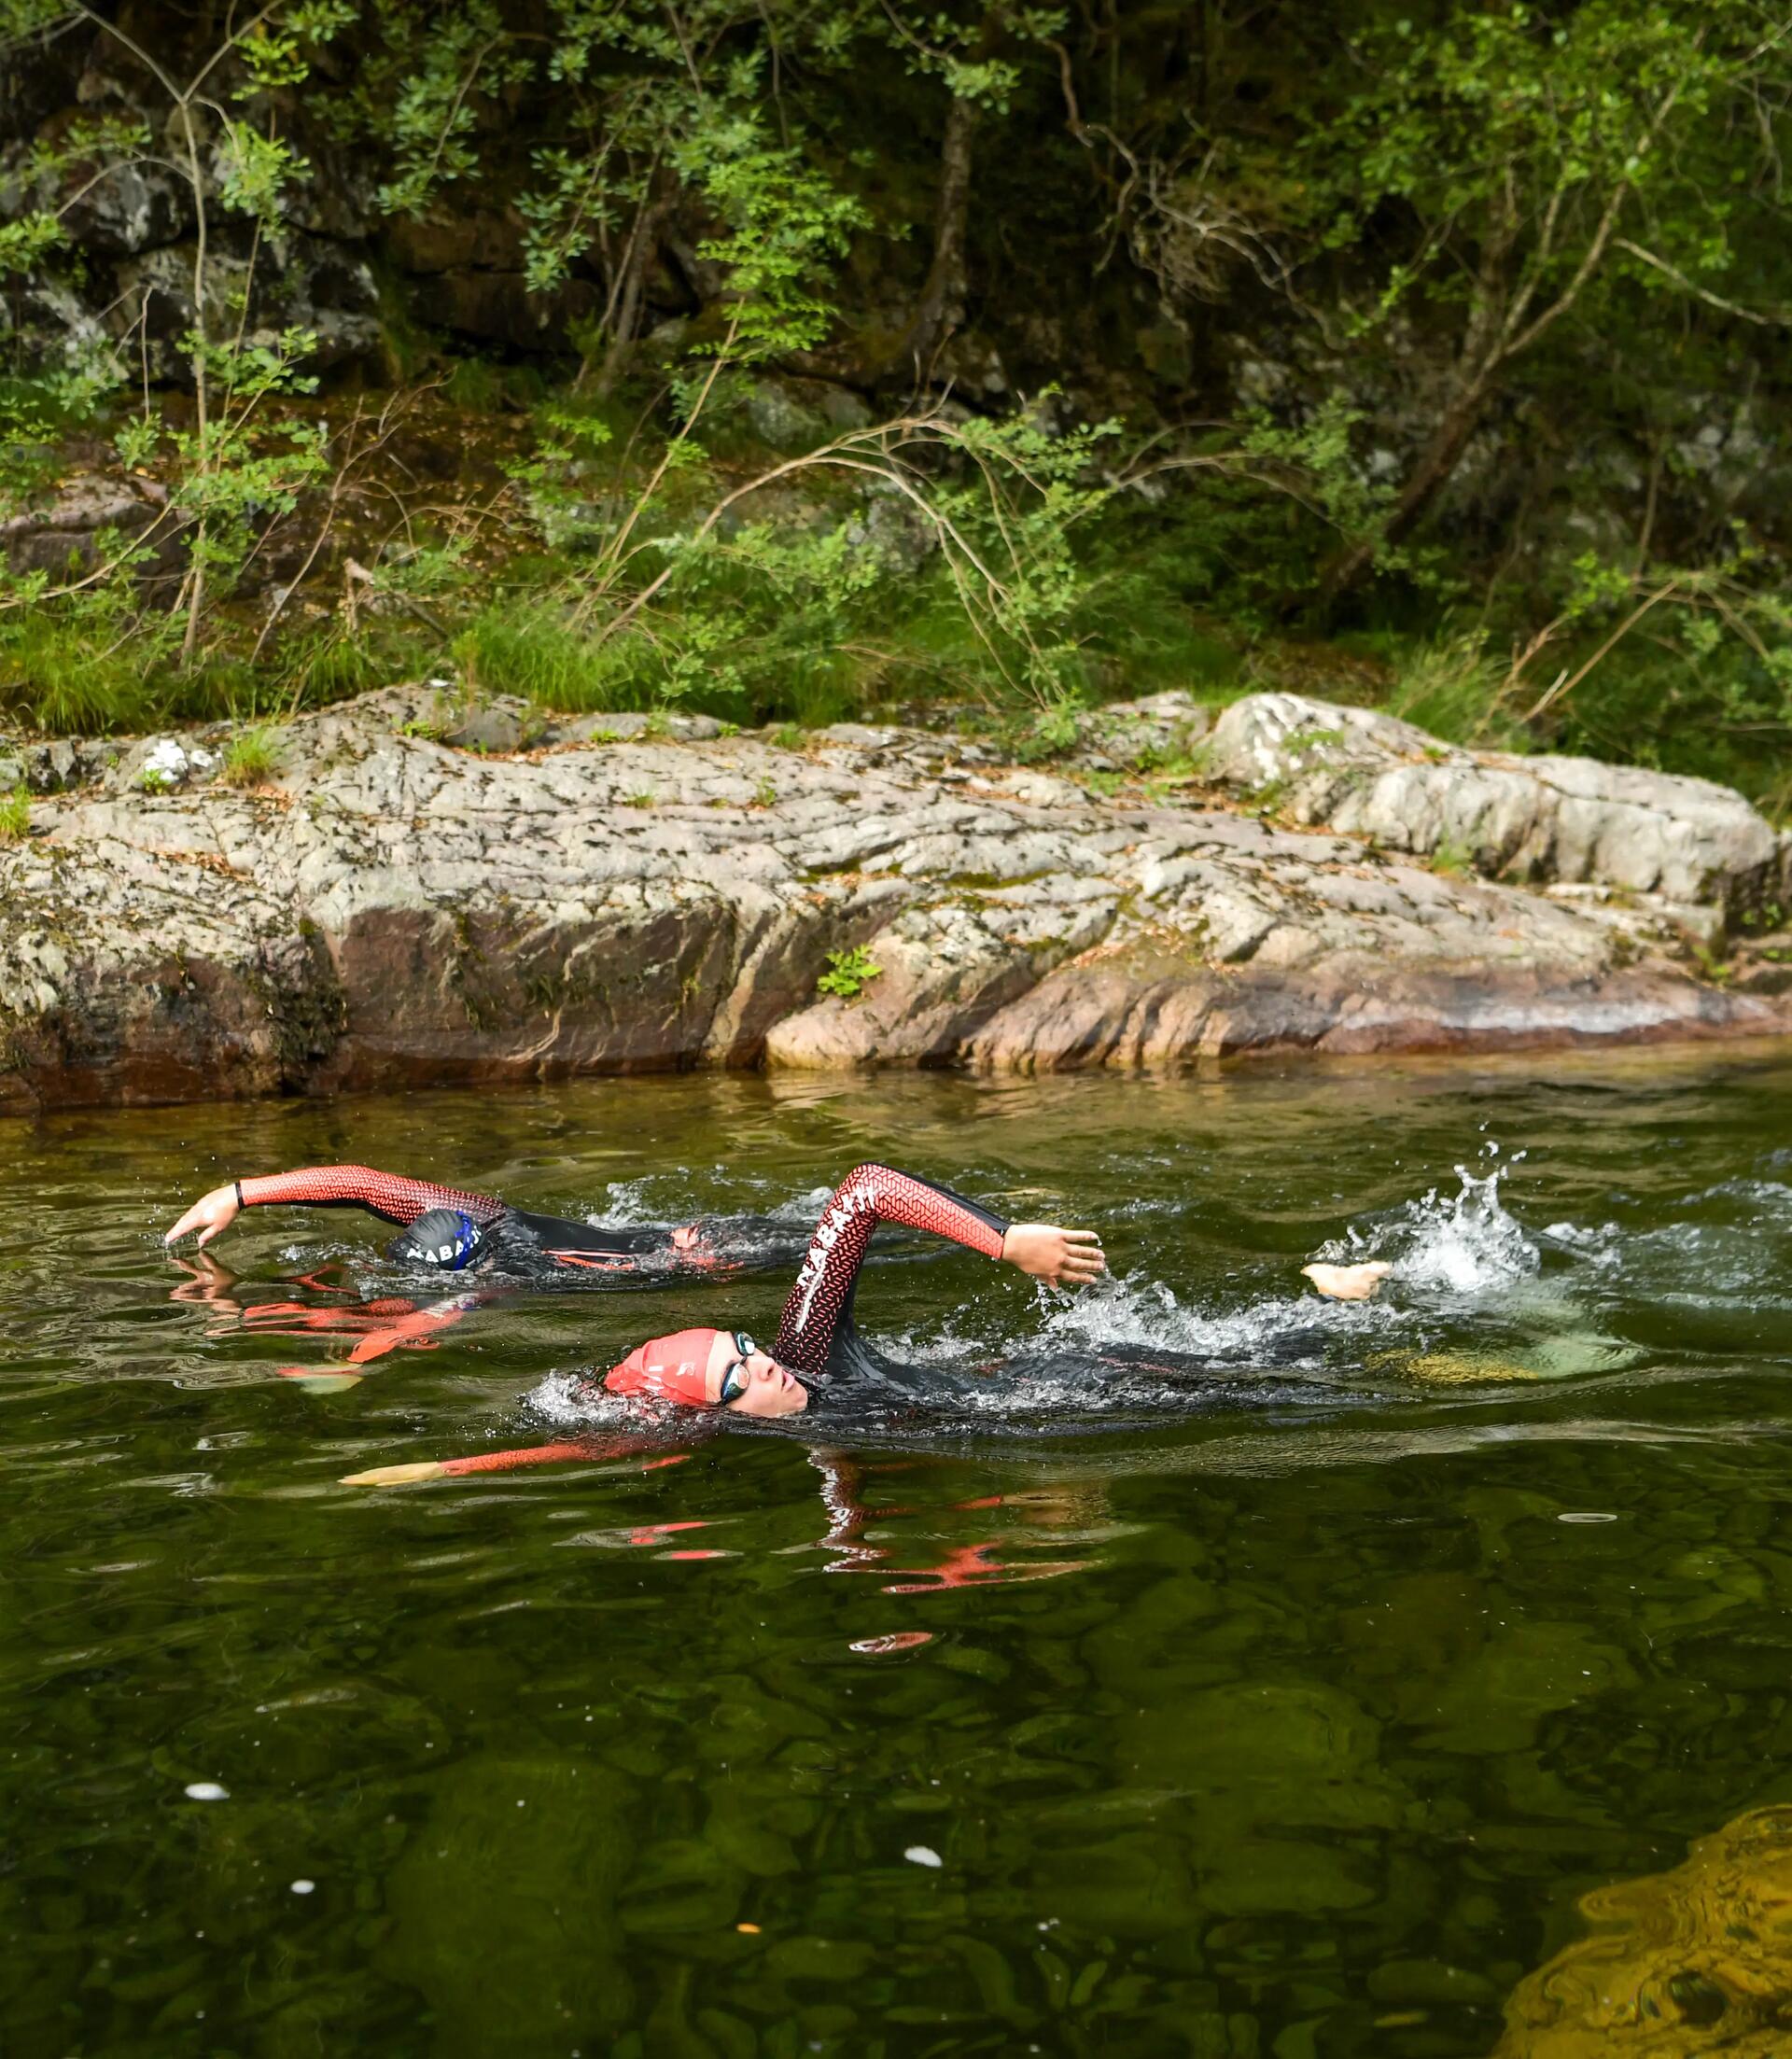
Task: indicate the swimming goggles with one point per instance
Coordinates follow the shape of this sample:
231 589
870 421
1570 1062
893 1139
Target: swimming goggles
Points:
736 1380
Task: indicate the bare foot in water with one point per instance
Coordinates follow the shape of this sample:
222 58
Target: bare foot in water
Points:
1348 1282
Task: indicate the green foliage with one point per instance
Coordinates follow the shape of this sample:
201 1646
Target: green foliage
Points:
786 221
460 55
1452 230
15 816
849 972
970 51
279 48
83 666
1496 103
1031 738
26 240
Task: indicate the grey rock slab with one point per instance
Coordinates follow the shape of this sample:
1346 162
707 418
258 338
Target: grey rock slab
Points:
1540 821
498 725
65 762
65 527
861 736
1132 736
403 910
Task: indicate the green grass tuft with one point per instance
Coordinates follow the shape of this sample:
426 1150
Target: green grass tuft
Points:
527 648
252 759
68 675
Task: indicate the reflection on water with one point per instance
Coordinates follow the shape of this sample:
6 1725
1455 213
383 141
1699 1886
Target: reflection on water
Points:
1268 1680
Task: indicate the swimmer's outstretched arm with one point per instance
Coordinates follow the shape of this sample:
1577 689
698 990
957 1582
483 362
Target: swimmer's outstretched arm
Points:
820 1305
387 1194
587 1449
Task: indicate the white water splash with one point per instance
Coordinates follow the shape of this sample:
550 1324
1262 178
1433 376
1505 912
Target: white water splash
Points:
948 1345
578 1401
1464 1244
1145 1313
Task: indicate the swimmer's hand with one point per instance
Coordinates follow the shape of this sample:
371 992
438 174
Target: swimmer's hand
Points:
1348 1282
210 1215
1065 1257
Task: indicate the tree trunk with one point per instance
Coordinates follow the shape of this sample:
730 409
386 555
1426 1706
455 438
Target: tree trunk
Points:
1484 349
643 247
1427 479
940 310
196 561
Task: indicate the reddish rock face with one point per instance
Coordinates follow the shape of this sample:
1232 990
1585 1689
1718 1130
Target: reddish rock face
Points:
392 910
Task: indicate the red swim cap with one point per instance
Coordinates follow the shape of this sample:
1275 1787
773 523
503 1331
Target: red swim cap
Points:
676 1368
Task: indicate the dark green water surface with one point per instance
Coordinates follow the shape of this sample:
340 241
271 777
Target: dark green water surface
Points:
1286 1727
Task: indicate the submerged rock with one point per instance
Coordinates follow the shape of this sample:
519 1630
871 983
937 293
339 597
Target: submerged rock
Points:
1694 1960
627 893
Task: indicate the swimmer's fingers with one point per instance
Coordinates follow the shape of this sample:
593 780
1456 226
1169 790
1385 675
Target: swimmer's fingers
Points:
1065 1257
1084 1258
1348 1282
206 1281
210 1214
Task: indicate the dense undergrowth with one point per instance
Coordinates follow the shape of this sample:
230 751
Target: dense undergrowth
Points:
828 595
759 457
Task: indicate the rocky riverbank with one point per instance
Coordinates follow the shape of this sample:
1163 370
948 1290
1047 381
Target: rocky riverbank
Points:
430 893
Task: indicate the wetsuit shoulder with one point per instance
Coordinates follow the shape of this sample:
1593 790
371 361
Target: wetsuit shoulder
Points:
818 1316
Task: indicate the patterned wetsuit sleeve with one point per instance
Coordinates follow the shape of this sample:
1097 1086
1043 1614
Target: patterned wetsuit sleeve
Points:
821 1299
384 1193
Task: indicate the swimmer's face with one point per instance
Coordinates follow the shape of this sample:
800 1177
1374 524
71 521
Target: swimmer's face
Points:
770 1390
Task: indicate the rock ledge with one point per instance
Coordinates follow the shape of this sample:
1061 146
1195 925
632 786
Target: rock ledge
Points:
414 902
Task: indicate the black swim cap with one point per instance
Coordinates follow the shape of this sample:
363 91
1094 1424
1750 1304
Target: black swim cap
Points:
444 1237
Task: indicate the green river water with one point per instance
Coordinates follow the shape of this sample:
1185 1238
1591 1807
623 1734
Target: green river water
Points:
1344 1712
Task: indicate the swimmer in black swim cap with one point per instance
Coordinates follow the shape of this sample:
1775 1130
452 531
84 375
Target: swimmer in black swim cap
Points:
445 1237
451 1230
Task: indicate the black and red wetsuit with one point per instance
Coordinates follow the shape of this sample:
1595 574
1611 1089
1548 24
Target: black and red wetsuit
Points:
818 1341
817 1336
520 1241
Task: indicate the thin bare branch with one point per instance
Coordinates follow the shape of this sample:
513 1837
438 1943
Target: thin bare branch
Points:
1763 318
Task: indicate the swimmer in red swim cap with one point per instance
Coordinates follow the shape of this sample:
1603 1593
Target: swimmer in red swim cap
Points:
710 1369
817 1341
816 1338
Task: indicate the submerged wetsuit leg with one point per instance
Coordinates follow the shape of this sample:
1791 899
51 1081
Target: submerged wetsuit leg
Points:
815 1334
589 1249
